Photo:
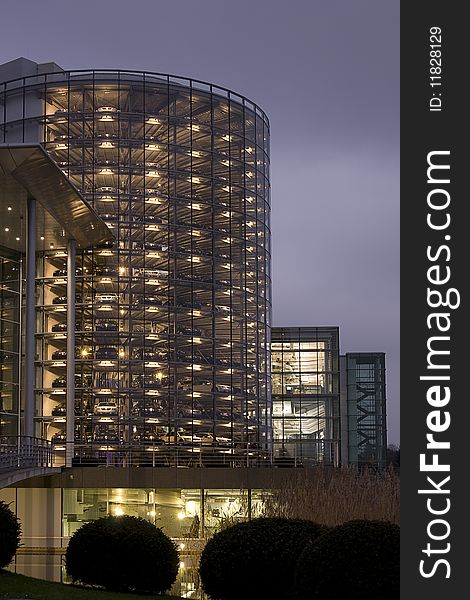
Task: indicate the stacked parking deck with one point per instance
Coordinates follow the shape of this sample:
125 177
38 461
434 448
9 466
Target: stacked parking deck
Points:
172 321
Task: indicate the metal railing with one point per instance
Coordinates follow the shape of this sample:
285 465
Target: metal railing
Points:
24 452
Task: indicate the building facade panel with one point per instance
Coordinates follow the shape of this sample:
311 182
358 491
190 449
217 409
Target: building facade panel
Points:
366 409
10 338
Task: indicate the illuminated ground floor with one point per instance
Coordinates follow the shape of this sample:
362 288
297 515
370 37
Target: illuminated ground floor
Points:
189 505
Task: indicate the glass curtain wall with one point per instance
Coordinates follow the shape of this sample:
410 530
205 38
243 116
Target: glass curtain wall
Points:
365 376
172 321
10 301
305 392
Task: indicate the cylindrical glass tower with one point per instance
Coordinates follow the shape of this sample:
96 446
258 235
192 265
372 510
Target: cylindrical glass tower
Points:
173 320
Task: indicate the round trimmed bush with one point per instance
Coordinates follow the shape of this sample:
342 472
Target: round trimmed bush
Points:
10 532
359 560
255 559
122 554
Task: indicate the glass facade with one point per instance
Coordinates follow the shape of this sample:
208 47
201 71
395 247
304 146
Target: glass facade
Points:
172 361
10 340
305 395
367 436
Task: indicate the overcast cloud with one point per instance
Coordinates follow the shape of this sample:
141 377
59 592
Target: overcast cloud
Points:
327 74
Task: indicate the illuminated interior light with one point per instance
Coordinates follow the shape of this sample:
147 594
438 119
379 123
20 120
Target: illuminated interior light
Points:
227 138
226 163
106 145
17 239
196 313
250 199
152 147
121 354
105 363
61 146
7 229
122 270
106 118
153 173
58 363
118 511
152 227
105 253
151 336
153 200
106 172
250 174
196 206
197 340
153 121
249 149
194 127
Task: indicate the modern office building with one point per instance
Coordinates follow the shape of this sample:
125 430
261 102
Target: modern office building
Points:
135 313
305 395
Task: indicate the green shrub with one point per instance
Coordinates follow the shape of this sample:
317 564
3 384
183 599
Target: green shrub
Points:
10 532
256 559
122 554
358 560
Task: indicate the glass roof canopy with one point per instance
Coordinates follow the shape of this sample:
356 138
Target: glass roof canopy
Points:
63 213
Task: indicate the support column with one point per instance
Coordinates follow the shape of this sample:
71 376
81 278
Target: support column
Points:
70 425
29 349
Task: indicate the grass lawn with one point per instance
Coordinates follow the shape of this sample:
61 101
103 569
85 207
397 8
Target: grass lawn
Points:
19 586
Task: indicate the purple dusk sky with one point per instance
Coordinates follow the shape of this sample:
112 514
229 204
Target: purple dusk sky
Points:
327 74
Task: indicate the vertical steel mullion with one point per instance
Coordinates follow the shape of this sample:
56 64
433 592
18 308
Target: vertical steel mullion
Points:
20 346
30 319
191 214
70 377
